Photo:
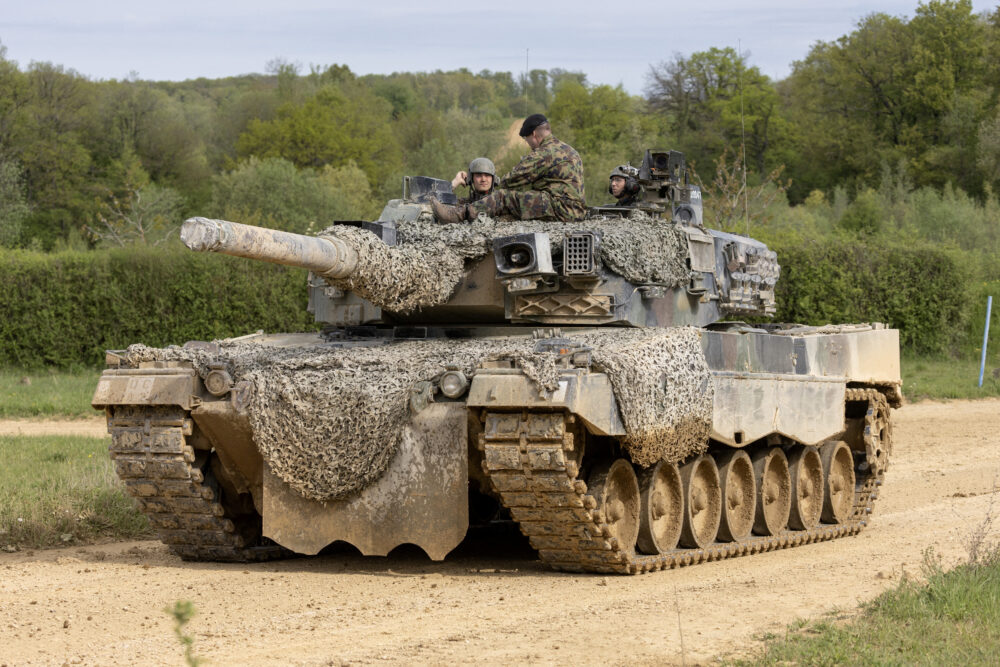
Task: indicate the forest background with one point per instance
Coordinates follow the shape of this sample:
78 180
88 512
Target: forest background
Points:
872 169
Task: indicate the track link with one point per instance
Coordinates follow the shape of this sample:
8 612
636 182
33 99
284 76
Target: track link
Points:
168 479
530 461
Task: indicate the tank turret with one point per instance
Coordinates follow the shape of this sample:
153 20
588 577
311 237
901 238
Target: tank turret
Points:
656 267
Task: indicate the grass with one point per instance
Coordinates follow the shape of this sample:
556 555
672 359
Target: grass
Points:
951 618
925 378
59 490
47 393
946 618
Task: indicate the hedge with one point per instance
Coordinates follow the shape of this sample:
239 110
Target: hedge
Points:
923 291
64 309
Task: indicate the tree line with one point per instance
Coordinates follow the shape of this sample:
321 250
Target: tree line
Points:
89 163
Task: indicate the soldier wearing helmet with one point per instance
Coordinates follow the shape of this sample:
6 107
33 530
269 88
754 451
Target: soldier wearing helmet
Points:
623 186
480 179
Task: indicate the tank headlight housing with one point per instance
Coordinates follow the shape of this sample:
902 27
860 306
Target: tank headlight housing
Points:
218 382
523 254
453 384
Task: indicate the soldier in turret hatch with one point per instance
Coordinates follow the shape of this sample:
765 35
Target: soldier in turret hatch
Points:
551 175
480 178
623 185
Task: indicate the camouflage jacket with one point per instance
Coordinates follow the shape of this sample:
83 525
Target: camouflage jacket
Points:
554 168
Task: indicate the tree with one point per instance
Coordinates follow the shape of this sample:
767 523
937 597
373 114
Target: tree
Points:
864 215
731 202
894 89
535 87
287 75
713 99
140 212
48 144
988 158
274 193
338 125
14 96
594 117
351 197
146 216
14 206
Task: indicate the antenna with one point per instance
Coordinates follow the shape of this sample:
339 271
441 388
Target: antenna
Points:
743 139
526 82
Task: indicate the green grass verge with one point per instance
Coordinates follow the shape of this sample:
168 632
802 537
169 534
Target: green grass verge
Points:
47 393
951 618
928 378
59 490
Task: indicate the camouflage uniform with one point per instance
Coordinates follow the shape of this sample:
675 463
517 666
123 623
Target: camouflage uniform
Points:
554 174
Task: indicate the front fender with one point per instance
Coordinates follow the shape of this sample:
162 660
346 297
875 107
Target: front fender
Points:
587 395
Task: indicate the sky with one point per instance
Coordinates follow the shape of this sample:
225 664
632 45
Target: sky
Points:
612 42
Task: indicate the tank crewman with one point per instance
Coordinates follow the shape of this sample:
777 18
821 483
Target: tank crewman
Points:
480 178
623 186
551 176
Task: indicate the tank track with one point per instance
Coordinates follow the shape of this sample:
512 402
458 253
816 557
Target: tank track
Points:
535 476
166 476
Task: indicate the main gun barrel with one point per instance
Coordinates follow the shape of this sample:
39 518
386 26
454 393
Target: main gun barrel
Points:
327 256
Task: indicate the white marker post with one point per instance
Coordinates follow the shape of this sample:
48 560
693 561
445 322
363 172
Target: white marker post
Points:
986 335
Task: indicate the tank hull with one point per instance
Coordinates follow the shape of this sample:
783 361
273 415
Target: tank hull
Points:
546 457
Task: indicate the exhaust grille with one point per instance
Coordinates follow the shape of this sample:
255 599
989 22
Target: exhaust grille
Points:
578 254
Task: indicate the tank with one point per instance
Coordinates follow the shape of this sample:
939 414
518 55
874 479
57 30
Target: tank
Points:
614 386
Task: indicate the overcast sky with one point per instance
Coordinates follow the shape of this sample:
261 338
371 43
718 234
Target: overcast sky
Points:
612 42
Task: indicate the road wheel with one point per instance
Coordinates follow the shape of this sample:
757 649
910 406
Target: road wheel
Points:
661 510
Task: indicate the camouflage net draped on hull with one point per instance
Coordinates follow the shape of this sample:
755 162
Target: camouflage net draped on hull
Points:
663 387
327 419
427 264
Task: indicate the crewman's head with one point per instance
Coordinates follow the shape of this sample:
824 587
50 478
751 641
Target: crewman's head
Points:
483 173
534 129
621 181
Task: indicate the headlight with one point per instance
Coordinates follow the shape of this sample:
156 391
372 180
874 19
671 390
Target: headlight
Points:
453 384
523 254
218 382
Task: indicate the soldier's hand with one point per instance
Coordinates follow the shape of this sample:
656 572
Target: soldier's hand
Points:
461 178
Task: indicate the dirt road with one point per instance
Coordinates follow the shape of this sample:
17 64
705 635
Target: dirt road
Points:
491 602
92 427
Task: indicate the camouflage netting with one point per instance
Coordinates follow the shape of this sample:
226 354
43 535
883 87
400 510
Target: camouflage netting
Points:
427 264
328 419
664 390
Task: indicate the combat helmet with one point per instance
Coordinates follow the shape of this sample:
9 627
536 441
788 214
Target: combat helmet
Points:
482 165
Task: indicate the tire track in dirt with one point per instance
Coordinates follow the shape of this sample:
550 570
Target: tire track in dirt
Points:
491 601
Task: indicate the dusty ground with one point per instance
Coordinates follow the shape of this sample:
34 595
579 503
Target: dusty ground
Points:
93 427
491 602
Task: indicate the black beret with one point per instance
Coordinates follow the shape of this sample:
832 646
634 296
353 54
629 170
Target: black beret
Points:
531 122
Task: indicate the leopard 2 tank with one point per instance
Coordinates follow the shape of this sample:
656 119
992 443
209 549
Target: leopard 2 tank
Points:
592 381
